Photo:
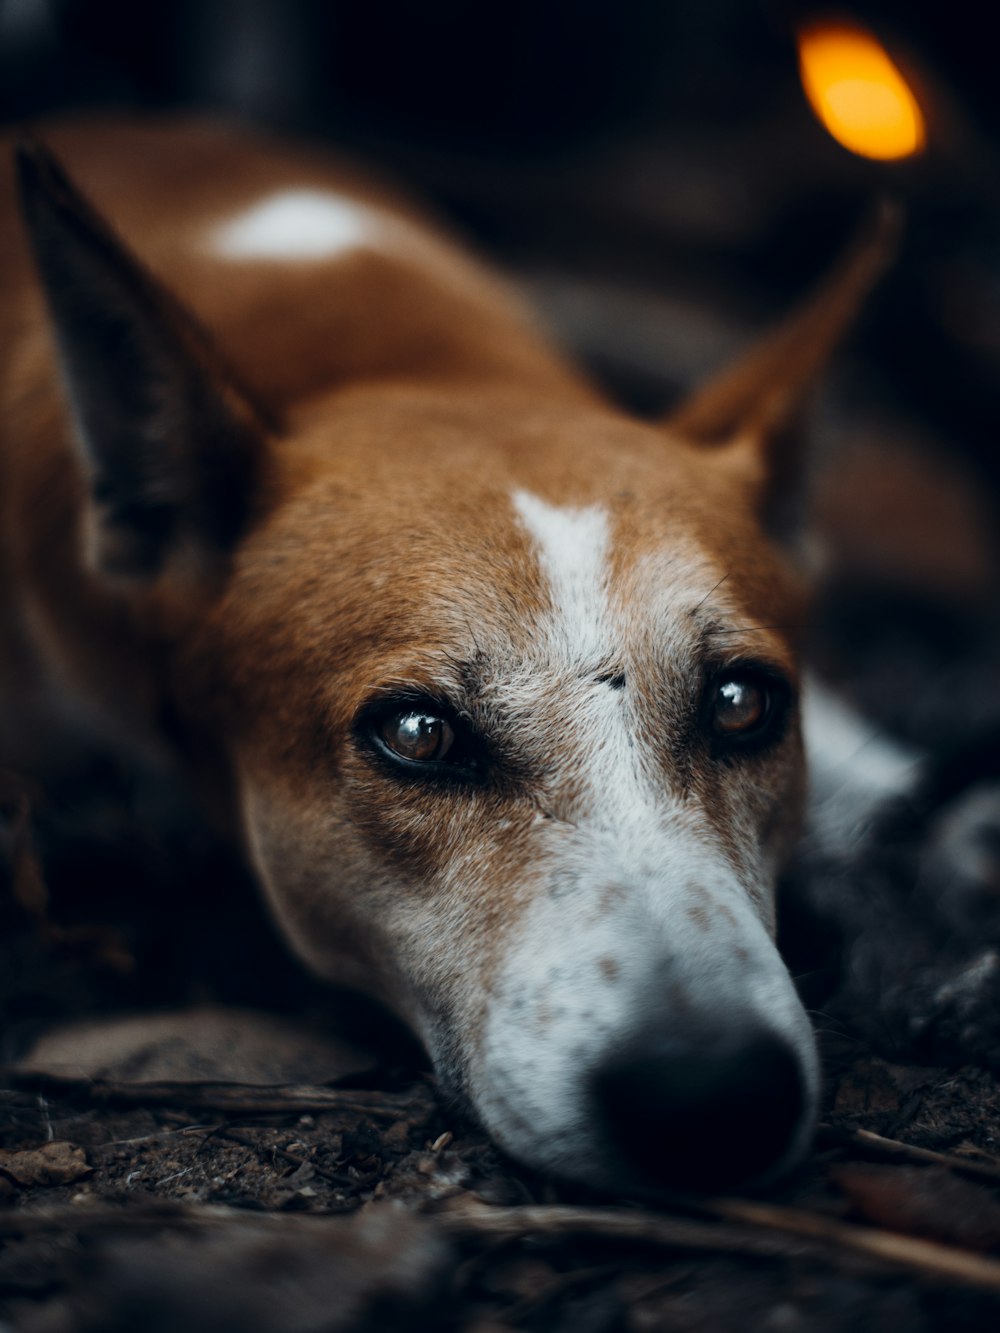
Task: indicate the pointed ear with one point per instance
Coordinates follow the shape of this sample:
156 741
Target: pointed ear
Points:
171 446
754 407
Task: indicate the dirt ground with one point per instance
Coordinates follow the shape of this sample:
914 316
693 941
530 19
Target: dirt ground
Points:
214 1168
221 1207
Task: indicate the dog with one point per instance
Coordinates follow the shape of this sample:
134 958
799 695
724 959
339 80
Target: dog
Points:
496 688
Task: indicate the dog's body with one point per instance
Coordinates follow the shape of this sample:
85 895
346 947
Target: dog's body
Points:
496 688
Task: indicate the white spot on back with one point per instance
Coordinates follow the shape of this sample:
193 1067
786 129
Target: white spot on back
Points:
299 225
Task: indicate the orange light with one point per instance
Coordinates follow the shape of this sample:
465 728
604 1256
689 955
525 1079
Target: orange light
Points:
858 93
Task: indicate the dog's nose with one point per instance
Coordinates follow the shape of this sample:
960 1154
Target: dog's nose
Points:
704 1115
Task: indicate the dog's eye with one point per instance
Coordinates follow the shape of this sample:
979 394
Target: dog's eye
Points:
745 706
417 736
740 705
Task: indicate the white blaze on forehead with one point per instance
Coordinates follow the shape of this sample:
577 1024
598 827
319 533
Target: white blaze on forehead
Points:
579 637
299 224
572 549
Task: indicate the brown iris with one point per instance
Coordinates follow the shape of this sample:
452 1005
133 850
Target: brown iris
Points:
417 736
740 705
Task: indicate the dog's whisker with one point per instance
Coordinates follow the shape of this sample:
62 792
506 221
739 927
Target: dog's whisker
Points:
714 589
756 629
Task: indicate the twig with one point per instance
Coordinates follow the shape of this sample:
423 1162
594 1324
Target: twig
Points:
768 1230
469 1217
238 1098
43 1106
760 1229
152 1138
868 1141
102 1216
927 1258
176 1176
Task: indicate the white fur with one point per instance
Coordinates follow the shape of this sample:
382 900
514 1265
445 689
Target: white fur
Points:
579 638
841 741
557 1015
853 767
572 548
302 224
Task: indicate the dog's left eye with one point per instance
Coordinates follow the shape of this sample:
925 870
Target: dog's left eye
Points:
746 706
417 736
739 705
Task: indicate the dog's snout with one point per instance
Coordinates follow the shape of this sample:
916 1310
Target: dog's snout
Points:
702 1114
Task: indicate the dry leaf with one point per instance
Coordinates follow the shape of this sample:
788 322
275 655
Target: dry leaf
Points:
923 1201
51 1164
207 1043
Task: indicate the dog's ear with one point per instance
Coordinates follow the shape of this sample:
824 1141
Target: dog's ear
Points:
754 407
171 446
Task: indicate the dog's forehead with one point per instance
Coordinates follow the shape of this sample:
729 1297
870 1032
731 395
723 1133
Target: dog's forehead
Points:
432 489
618 595
447 537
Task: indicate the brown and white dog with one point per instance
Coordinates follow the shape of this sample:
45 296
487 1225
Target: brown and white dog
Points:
496 687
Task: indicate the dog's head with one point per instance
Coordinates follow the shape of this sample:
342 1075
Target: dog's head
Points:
508 691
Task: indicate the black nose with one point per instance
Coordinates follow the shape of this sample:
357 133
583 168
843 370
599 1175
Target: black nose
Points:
706 1115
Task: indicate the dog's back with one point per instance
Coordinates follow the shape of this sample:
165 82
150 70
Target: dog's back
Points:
251 233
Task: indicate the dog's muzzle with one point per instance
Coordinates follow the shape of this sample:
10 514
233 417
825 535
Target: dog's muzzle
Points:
647 1042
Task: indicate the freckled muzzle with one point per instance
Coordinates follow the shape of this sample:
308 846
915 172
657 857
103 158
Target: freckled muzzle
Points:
689 1065
706 1112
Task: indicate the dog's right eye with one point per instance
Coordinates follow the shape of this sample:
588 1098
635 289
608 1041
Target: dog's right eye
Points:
416 736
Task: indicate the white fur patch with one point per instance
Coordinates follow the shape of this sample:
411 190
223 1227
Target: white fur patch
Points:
577 638
853 768
572 549
841 741
299 225
557 1013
